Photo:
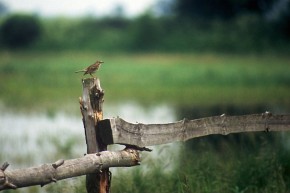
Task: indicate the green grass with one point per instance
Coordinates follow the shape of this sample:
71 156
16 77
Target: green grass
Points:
228 166
47 79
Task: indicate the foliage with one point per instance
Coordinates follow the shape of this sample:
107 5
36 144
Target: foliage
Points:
244 34
20 30
235 26
147 33
222 9
283 22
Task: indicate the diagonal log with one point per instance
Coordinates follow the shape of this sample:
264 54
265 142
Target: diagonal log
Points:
118 131
62 169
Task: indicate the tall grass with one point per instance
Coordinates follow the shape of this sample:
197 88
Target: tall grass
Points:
47 79
230 168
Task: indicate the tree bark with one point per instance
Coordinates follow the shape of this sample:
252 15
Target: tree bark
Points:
62 169
118 131
91 105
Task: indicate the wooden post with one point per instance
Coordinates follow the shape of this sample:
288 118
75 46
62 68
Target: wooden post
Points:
91 105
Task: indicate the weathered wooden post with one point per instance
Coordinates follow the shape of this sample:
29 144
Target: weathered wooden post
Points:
91 105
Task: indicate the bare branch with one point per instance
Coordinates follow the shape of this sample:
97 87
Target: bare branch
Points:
118 131
62 169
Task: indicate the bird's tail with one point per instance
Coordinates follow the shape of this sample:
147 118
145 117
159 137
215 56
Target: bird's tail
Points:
79 71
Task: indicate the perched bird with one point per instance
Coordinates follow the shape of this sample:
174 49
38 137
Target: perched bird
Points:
92 68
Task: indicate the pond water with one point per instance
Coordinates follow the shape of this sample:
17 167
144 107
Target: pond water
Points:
29 139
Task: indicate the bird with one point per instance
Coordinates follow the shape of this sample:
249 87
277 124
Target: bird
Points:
92 68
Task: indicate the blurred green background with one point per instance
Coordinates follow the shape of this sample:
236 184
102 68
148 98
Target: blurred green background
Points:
199 57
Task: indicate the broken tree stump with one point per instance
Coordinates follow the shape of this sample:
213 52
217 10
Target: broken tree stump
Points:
91 105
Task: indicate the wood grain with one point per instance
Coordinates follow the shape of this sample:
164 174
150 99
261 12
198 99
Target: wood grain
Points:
118 131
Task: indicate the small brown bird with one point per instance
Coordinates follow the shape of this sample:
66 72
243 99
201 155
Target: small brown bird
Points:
92 68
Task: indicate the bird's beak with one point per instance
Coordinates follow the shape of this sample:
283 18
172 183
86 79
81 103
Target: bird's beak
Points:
101 62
